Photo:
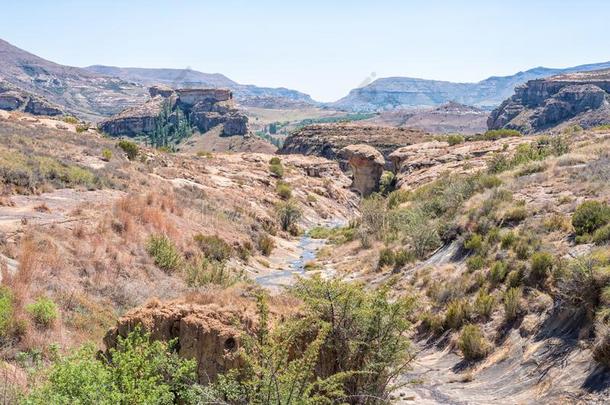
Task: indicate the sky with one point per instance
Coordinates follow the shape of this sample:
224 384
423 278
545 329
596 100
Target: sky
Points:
323 48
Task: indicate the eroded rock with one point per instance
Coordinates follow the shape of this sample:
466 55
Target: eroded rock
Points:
367 165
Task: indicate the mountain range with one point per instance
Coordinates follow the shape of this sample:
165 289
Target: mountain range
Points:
99 91
403 92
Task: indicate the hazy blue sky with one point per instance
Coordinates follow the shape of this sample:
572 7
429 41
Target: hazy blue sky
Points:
323 48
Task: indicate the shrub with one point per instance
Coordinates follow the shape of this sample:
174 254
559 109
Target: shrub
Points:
601 346
475 262
586 282
458 312
402 257
484 304
283 190
140 371
495 134
515 215
397 197
472 343
204 272
164 252
386 258
512 303
43 311
541 265
106 154
514 279
265 244
590 216
275 161
508 239
387 182
536 167
601 235
431 322
288 213
277 170
130 148
498 272
6 311
214 247
474 242
454 139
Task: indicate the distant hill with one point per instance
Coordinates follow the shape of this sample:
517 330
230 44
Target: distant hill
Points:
246 94
80 91
403 92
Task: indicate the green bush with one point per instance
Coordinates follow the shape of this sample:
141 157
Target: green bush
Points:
512 303
397 197
387 183
498 272
484 304
590 216
106 154
475 262
6 311
601 235
454 139
283 190
432 323
43 311
164 253
203 272
402 257
214 247
508 239
472 343
515 215
458 312
474 243
139 371
495 134
277 170
541 264
130 148
288 213
275 161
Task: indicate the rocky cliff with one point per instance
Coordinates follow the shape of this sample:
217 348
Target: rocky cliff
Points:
169 111
327 139
579 98
14 99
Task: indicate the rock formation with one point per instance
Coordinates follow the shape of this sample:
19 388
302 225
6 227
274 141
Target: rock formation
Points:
367 165
421 163
203 109
13 99
206 333
579 98
327 140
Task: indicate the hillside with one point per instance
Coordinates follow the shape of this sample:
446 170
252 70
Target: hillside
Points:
79 91
401 92
581 99
249 95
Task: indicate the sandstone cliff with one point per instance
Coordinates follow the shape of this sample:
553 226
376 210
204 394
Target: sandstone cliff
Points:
579 98
13 99
327 140
169 110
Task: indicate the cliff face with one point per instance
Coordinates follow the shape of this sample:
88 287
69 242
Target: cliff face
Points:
202 109
581 98
327 139
12 99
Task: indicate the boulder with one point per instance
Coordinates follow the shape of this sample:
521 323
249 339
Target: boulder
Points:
367 165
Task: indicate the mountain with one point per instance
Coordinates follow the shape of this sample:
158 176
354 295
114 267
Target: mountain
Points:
246 94
81 92
402 92
576 98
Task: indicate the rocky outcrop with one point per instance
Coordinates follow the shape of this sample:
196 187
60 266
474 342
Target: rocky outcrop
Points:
366 164
422 163
13 99
202 109
208 333
580 98
327 140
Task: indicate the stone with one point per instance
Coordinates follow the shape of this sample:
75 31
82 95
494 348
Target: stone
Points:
367 165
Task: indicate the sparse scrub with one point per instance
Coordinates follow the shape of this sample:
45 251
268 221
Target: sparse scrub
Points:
601 346
516 215
484 304
276 168
386 258
387 183
498 272
541 265
106 154
6 311
472 343
397 197
164 253
288 213
590 216
495 134
458 312
455 139
265 244
475 262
